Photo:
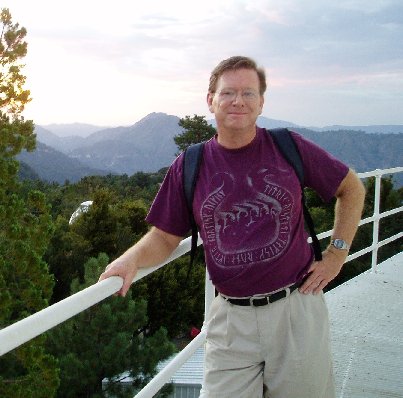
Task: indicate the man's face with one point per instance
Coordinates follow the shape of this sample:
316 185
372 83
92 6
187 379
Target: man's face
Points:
237 102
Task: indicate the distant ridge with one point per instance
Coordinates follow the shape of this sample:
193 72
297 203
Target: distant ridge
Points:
148 146
53 166
371 129
76 129
267 123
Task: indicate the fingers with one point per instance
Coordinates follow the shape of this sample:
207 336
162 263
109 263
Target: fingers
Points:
124 272
103 276
315 282
125 288
320 273
110 270
313 286
107 274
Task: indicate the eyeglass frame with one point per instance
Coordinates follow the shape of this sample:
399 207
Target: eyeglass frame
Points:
229 95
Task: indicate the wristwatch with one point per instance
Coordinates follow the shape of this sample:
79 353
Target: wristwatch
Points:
340 244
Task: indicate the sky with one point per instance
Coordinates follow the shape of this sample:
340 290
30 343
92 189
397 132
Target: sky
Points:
111 63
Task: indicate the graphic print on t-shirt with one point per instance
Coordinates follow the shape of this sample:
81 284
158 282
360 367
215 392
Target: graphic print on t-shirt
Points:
246 220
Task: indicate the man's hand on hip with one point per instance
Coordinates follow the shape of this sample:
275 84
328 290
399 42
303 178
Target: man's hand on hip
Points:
322 272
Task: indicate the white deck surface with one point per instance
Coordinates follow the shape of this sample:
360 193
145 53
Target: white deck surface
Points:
366 315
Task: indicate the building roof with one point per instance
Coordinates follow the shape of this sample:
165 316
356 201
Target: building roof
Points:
366 316
191 371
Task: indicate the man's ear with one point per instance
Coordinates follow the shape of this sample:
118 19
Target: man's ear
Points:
261 104
209 99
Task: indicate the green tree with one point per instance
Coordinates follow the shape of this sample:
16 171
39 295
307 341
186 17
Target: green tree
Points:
66 254
13 48
321 212
105 342
132 226
196 129
184 289
99 225
25 229
111 225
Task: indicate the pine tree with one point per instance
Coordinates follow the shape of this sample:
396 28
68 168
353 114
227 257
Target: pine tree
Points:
185 288
25 228
197 129
105 342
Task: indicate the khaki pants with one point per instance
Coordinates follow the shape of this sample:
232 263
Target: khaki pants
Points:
280 350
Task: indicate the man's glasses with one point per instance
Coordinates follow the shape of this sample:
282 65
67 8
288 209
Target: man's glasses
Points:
229 95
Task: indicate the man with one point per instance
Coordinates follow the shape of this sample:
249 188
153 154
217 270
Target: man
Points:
247 205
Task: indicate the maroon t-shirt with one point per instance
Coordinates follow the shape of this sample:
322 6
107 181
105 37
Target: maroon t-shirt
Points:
247 205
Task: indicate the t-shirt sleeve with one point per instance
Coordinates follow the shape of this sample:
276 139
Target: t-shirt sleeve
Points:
322 171
168 211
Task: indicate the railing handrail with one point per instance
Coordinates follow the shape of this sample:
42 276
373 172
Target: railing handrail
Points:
26 329
380 172
38 323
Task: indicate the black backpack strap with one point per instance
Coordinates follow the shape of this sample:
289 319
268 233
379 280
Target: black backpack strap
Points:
191 165
285 143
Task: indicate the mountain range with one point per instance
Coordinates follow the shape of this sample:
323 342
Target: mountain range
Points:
69 152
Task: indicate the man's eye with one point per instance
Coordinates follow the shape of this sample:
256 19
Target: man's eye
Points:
249 94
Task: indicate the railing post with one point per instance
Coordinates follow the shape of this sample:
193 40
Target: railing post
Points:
375 228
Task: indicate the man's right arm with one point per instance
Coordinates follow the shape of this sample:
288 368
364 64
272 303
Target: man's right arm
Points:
152 249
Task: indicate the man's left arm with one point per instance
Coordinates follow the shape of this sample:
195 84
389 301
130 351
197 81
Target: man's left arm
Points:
349 204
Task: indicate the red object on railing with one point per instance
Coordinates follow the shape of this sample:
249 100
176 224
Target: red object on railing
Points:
194 332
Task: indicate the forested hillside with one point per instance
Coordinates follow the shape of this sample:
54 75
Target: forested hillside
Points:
361 151
51 165
148 145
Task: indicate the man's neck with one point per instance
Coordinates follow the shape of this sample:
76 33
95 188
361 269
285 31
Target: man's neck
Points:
235 139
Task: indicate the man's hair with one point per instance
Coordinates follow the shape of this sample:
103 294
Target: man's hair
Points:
236 63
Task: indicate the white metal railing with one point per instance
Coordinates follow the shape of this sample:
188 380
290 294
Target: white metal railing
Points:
26 329
36 324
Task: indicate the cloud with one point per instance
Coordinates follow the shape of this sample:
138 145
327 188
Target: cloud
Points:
350 49
288 34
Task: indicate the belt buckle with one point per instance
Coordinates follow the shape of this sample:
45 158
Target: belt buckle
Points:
257 299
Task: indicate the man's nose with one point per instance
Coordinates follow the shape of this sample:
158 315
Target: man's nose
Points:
238 99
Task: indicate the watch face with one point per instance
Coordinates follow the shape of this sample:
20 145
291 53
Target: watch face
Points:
340 244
